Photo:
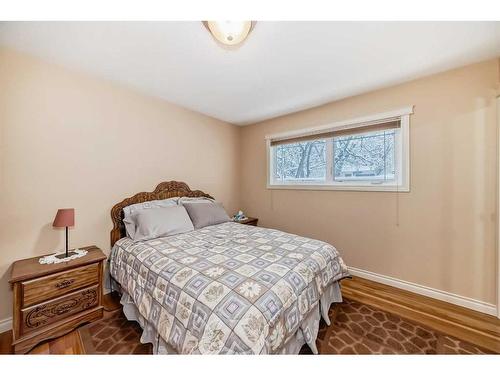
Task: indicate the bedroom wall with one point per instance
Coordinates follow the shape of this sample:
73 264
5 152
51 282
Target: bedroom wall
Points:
442 233
69 140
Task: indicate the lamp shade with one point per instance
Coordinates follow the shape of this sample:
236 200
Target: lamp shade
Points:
65 217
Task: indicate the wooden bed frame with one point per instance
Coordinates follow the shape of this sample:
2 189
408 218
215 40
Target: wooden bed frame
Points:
164 190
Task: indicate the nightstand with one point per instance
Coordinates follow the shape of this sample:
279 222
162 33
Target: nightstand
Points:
50 300
249 221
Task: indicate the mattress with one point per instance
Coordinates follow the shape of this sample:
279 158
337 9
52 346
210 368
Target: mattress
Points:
228 288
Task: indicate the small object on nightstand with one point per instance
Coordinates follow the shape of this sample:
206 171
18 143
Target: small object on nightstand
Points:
239 216
249 221
56 258
65 218
51 300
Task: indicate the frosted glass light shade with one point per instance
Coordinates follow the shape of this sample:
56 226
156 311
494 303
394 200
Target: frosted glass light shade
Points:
230 33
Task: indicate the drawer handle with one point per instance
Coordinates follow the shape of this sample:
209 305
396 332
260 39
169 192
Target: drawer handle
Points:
65 283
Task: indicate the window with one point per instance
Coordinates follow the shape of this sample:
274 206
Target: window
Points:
367 156
301 161
371 153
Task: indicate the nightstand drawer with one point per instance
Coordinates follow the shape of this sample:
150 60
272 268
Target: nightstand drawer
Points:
44 314
45 288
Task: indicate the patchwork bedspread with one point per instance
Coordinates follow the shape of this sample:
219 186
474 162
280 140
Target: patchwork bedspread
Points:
227 288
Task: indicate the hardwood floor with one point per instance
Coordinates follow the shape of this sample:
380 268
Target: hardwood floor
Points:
67 344
465 324
6 342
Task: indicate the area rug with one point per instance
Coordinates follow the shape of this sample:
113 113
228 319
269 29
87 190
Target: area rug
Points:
356 329
361 329
113 334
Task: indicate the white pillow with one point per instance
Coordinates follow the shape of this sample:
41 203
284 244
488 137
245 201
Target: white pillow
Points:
159 222
183 200
133 208
129 210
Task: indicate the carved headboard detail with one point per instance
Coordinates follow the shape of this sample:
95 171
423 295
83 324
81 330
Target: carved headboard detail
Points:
164 190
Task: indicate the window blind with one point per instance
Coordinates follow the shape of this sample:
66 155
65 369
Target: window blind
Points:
387 124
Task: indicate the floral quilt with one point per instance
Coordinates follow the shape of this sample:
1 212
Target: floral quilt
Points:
227 288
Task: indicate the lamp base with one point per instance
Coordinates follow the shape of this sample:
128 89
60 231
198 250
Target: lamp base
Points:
63 255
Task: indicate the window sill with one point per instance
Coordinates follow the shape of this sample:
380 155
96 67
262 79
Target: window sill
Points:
387 188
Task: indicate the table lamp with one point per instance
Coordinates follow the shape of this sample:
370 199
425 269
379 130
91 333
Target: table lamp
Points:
65 218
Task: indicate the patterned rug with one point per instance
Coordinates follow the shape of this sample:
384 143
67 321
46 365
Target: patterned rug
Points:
356 329
113 334
361 329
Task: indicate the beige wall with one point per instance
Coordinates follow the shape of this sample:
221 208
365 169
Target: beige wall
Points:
442 233
69 140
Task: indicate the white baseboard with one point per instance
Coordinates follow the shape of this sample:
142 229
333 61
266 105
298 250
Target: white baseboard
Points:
441 295
6 324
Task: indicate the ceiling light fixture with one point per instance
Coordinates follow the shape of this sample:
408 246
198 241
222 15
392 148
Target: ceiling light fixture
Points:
229 33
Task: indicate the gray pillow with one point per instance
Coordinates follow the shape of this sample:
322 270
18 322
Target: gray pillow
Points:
128 211
205 214
159 222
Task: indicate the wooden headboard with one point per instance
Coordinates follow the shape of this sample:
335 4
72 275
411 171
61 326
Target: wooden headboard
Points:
164 190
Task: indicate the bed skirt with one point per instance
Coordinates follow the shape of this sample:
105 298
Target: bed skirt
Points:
306 333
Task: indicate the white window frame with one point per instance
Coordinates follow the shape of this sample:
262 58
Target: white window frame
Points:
402 148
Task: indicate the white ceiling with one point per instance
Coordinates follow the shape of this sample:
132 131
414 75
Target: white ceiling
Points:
283 67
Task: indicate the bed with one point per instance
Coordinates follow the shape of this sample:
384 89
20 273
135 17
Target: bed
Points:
228 288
